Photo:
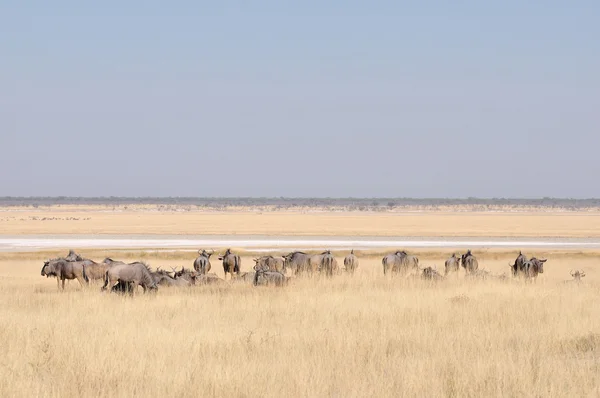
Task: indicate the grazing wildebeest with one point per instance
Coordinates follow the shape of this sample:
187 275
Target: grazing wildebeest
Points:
351 262
269 263
210 279
297 262
231 263
518 267
452 264
533 267
469 262
266 278
202 262
63 269
137 273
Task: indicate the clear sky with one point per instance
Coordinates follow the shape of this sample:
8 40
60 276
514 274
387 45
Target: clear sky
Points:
328 99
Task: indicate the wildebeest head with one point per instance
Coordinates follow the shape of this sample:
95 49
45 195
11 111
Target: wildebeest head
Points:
48 270
227 253
537 265
206 254
577 275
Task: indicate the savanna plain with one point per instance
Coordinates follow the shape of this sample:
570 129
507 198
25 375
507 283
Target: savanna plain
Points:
349 336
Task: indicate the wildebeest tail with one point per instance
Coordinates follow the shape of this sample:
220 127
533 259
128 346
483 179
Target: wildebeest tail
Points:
105 280
85 277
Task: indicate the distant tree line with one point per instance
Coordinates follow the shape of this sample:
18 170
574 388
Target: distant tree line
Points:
281 202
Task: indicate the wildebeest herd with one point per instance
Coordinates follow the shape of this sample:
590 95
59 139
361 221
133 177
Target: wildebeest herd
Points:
121 277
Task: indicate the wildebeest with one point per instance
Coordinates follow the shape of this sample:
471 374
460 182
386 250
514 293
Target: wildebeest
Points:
63 269
328 263
469 262
185 275
231 263
164 278
431 274
267 278
95 271
519 265
577 275
399 262
123 288
269 263
452 264
297 262
533 267
245 277
72 256
137 273
351 262
202 262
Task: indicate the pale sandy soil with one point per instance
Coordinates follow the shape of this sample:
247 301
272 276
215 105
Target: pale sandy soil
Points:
94 220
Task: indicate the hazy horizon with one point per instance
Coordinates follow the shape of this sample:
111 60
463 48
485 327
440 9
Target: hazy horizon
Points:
314 100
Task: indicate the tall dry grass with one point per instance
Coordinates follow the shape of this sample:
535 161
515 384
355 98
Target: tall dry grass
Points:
360 336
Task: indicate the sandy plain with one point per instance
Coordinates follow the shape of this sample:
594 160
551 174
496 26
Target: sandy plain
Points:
349 336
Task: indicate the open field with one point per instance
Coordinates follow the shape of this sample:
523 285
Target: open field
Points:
358 336
141 221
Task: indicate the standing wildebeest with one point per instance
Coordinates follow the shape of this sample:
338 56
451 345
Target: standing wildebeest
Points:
469 262
328 263
231 263
533 267
399 262
297 262
577 275
452 264
63 269
351 262
269 263
137 273
519 265
202 262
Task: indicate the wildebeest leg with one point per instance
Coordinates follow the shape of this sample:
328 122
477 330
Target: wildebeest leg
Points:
63 284
58 283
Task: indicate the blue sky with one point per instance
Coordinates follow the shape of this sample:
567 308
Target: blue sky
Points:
282 99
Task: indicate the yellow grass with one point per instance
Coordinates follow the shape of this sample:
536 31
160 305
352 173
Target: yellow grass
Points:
141 220
346 337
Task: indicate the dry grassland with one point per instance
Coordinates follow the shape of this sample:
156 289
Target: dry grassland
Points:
346 337
97 220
